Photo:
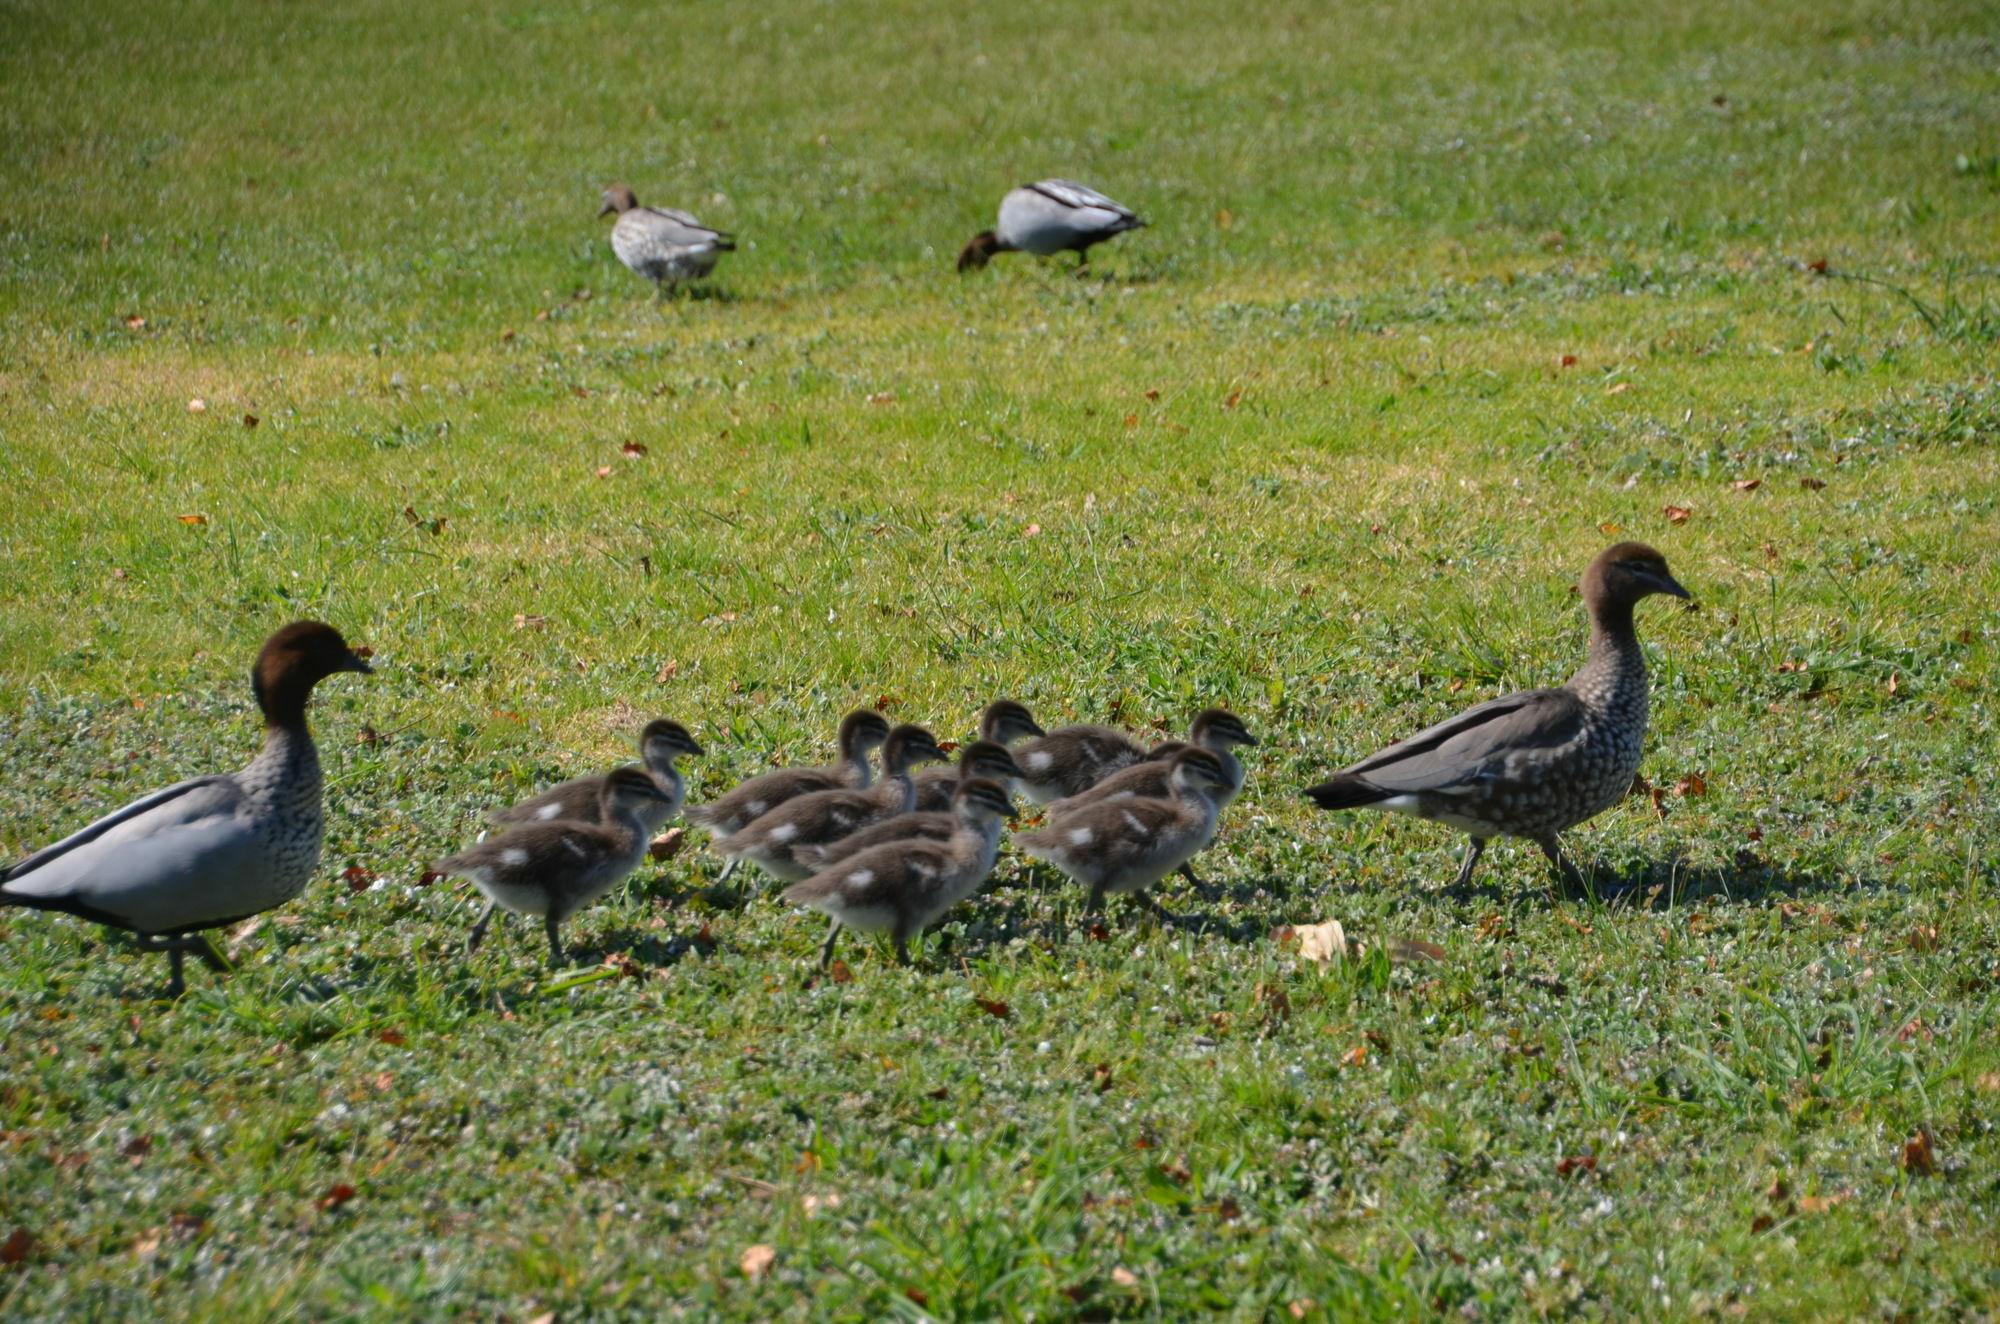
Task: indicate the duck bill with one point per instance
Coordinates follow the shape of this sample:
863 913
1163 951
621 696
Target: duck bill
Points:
1666 583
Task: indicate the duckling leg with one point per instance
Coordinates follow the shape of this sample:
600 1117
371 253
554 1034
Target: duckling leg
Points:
550 926
1187 871
1145 899
826 948
903 951
727 869
1474 848
478 934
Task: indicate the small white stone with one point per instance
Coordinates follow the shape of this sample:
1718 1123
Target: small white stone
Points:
1045 1047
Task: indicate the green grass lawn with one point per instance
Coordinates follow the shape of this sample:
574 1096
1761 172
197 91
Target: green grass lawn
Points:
1437 300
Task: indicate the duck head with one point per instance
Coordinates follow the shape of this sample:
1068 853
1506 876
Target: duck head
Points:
906 747
618 200
982 800
294 660
987 758
1198 770
628 788
862 731
1218 728
665 740
979 250
1006 721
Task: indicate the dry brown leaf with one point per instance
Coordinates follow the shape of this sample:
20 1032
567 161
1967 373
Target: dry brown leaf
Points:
667 844
1747 484
756 1261
133 321
336 1195
192 519
1692 784
1124 1277
1676 514
1618 388
1322 942
1225 219
1032 531
882 398
1404 950
1919 1160
839 973
633 450
994 1007
197 406
1566 360
526 621
1812 484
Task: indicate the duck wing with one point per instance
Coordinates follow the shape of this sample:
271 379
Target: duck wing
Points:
1082 197
1460 752
179 858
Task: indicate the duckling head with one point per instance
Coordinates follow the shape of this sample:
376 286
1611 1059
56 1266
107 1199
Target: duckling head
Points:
907 746
863 730
1218 728
982 800
294 660
1007 721
617 199
1623 575
987 758
631 787
1198 770
665 740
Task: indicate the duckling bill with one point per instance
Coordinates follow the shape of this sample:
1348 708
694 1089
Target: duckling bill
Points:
209 851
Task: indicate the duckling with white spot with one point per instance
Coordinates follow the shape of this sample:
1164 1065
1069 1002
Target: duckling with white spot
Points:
661 743
553 868
901 887
981 758
861 733
773 841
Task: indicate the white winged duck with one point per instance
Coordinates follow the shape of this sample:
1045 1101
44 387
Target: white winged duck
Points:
900 887
664 244
553 868
209 851
661 743
1050 216
773 841
1535 763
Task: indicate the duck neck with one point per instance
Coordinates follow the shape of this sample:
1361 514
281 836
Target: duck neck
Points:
1616 663
854 765
899 791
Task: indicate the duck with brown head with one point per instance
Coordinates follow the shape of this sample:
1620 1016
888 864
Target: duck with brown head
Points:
1536 763
212 850
664 244
1050 216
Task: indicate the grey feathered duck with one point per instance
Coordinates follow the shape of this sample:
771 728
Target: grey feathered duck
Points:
774 840
552 868
661 743
1538 762
1071 759
901 887
1127 845
1216 730
213 850
982 758
664 244
1050 216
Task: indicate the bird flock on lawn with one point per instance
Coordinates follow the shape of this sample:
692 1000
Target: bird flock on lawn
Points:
671 248
878 854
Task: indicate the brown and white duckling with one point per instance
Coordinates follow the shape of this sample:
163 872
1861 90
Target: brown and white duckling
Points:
1538 762
213 850
1216 730
554 867
1128 845
1071 759
663 244
772 841
1050 216
981 758
662 742
899 887
860 733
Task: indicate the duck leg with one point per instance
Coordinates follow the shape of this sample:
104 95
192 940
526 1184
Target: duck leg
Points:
1552 847
1474 848
1187 871
727 869
903 951
176 985
177 948
826 948
1159 912
478 934
551 926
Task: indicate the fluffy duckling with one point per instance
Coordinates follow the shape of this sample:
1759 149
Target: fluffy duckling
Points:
663 244
660 744
860 733
1050 216
1071 759
981 758
1216 730
1534 763
555 867
1006 721
818 817
899 887
1128 845
211 850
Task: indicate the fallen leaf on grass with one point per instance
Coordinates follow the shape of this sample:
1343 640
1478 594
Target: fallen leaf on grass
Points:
1618 388
192 519
1819 1204
839 973
667 844
197 406
249 420
1355 1056
1812 484
525 621
393 1038
920 1297
357 878
336 1195
1607 528
16 1247
882 398
632 450
1676 514
756 1261
624 965
1032 531
1576 1163
604 471
1919 1159
136 1149
1566 361
1692 784
133 321
1322 942
1300 1308
994 1007
1746 484
1404 950
1124 1277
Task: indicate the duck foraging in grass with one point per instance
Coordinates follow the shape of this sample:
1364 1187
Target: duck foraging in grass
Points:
1538 762
209 851
553 868
774 841
1050 216
665 245
861 732
660 744
1127 845
901 887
